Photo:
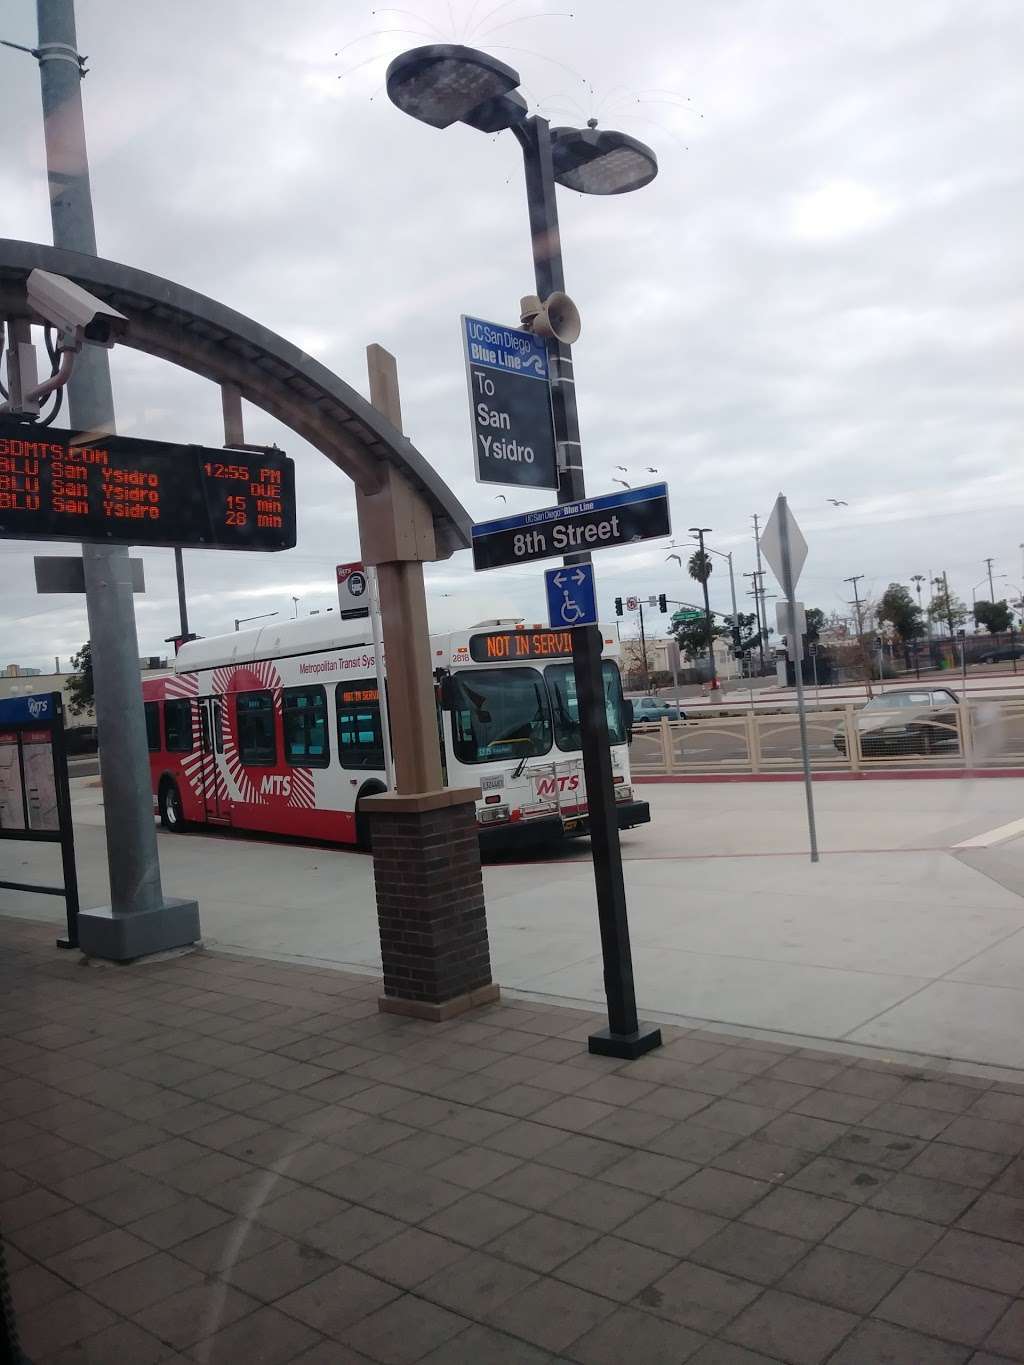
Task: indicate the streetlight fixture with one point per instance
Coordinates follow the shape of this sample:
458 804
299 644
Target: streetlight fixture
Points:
442 84
727 556
244 620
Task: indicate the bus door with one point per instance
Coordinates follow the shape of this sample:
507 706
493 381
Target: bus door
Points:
212 742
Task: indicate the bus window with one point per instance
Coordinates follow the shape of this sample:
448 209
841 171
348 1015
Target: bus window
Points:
304 712
152 726
178 726
254 712
562 687
499 713
360 740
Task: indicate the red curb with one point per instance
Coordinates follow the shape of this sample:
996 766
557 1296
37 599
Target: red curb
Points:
892 775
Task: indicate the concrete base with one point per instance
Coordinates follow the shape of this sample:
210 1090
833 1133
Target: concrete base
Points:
437 1014
123 937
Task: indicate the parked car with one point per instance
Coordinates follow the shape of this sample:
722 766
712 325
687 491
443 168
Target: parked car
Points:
920 721
1004 654
656 708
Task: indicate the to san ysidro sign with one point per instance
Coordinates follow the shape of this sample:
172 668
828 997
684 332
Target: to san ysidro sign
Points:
510 405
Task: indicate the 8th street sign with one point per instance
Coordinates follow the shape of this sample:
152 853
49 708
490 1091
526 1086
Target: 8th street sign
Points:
510 405
591 524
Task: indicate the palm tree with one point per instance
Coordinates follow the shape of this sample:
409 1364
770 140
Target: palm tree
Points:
699 566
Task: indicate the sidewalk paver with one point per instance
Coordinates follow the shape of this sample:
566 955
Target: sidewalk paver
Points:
213 1159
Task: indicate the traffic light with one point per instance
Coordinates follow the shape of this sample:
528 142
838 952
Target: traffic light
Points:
618 606
662 603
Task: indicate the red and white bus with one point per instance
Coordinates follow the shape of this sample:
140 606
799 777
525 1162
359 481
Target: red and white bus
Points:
279 730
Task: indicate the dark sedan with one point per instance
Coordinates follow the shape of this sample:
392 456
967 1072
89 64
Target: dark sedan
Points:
922 721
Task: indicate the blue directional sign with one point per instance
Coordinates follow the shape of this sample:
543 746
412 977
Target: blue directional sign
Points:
591 524
572 596
510 405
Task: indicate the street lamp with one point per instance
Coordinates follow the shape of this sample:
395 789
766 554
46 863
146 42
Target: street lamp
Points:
698 533
244 620
727 556
442 84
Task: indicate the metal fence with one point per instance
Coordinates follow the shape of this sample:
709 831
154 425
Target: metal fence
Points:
842 738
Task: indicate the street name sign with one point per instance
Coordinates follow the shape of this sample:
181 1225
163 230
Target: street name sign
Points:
590 524
84 486
510 405
572 596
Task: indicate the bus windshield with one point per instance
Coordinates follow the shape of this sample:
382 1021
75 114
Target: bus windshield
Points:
564 705
499 713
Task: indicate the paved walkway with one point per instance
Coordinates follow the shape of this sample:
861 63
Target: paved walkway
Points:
222 1160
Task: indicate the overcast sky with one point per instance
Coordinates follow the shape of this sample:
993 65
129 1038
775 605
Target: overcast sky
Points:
821 293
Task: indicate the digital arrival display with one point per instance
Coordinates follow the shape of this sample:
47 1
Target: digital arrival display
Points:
72 485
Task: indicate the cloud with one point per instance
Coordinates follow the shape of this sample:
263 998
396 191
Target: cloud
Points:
816 294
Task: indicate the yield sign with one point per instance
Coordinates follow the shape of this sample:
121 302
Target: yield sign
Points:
771 545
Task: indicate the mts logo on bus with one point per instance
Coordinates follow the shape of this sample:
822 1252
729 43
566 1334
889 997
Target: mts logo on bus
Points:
276 784
567 782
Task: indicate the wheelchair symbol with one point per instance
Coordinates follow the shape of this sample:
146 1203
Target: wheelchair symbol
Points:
570 610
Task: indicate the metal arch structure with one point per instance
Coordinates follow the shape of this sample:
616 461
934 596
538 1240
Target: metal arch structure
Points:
199 334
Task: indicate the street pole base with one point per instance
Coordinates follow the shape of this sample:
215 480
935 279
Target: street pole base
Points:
66 943
627 1045
125 936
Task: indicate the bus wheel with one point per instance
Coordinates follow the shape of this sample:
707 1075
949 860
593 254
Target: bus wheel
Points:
172 816
364 839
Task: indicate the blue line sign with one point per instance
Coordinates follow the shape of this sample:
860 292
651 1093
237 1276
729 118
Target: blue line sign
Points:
510 405
590 524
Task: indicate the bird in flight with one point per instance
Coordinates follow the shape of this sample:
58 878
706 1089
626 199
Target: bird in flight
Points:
837 502
677 558
622 467
500 497
650 469
622 481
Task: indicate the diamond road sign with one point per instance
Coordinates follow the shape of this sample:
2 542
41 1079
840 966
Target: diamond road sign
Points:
771 545
590 524
572 596
510 405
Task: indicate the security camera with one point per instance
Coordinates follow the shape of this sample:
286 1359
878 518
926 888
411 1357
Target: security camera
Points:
78 315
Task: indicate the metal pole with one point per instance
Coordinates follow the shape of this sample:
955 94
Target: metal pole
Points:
788 587
762 623
124 758
643 647
814 666
378 665
991 585
179 574
709 625
625 1036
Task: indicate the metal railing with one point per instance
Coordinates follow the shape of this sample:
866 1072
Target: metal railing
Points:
977 734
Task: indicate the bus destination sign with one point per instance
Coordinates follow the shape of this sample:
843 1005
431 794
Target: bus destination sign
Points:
509 646
72 485
590 524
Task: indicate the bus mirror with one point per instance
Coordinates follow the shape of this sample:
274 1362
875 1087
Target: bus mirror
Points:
447 692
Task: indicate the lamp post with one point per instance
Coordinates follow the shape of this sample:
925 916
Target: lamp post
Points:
699 532
442 84
917 579
727 556
244 620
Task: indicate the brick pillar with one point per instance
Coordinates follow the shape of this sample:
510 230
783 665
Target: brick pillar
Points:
430 904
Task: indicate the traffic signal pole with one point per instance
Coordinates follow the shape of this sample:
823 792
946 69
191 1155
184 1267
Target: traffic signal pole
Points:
625 1036
643 647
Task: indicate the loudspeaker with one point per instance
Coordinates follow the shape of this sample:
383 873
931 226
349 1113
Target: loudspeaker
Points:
556 317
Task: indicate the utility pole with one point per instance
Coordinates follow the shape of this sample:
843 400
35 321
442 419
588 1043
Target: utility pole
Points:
762 620
700 532
991 585
179 575
856 602
949 607
138 920
917 579
643 647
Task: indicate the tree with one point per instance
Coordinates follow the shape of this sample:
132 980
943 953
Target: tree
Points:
699 566
691 634
994 616
815 618
80 686
946 608
902 612
749 633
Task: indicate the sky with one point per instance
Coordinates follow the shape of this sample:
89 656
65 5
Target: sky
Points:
820 294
